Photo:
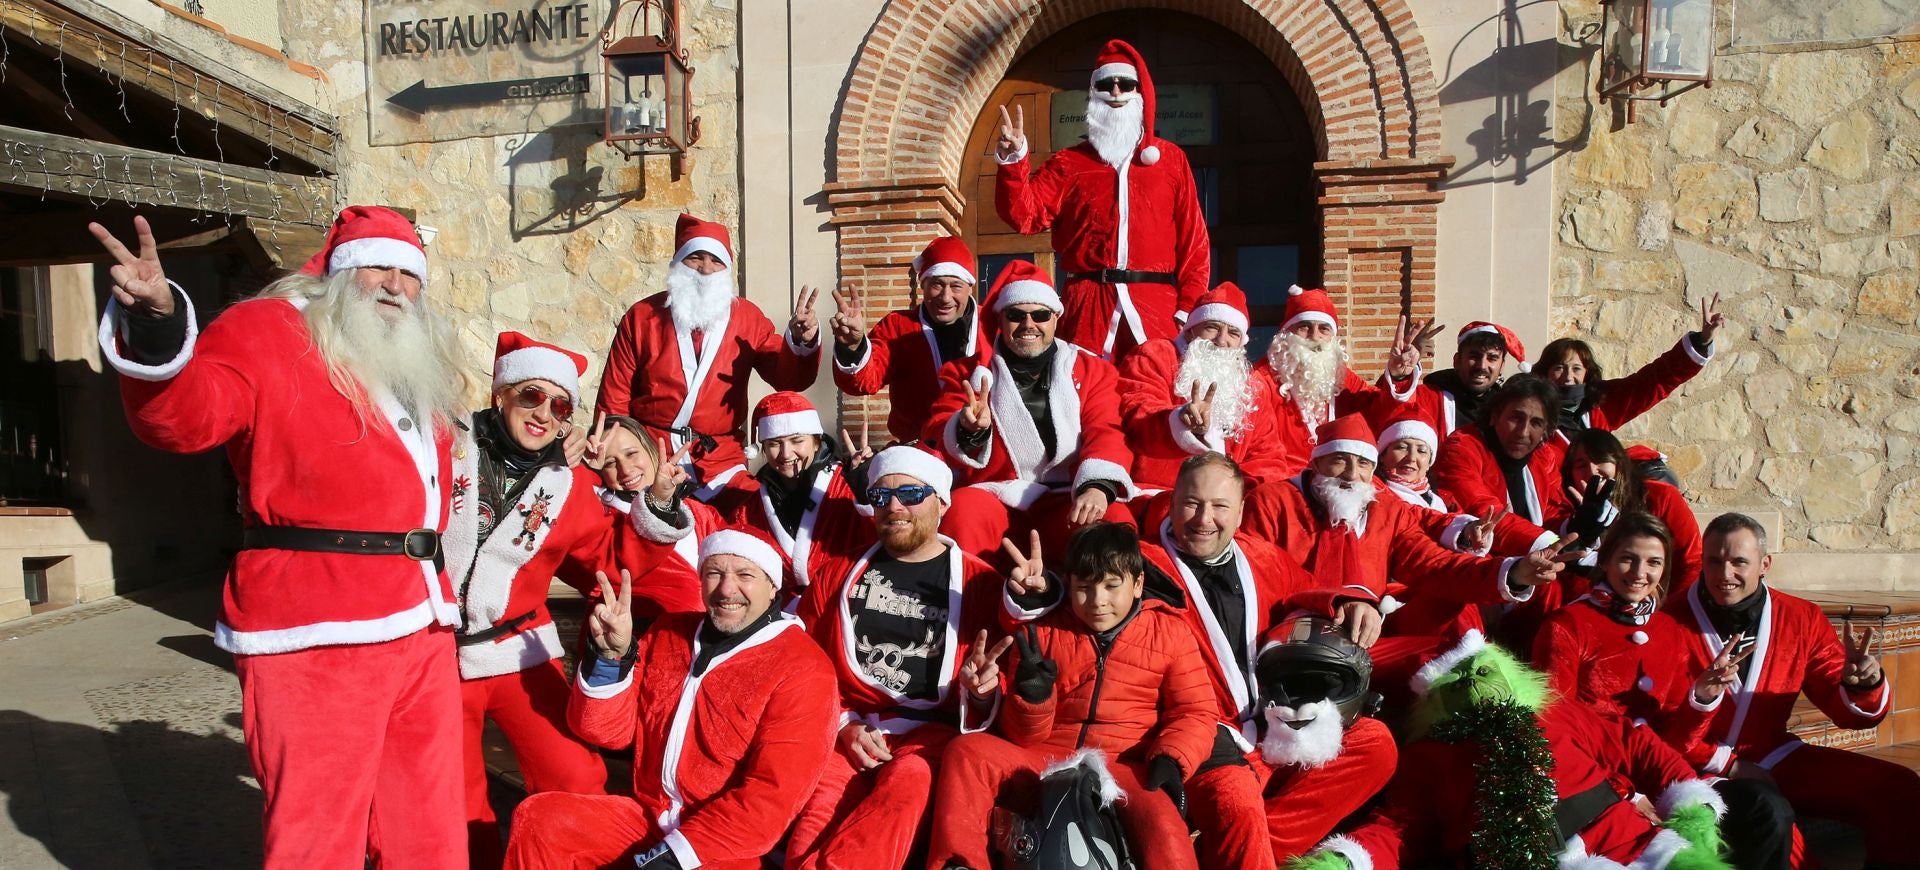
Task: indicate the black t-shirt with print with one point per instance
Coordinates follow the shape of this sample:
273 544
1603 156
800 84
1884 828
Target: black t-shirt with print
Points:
899 614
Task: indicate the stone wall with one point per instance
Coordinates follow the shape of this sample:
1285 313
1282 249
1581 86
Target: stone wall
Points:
549 232
1792 189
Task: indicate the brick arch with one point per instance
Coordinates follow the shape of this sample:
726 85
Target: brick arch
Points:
1359 67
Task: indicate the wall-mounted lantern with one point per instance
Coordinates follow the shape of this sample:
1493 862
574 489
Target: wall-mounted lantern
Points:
648 98
1656 49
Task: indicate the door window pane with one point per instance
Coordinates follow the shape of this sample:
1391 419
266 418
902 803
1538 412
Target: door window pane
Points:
1266 271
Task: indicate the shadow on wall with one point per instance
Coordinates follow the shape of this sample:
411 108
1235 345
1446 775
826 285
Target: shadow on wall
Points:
1510 140
192 795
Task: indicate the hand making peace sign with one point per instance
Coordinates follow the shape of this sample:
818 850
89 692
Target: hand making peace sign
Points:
1721 672
1029 574
1543 565
849 324
977 413
805 326
1477 537
858 453
1013 134
611 622
1710 318
139 284
1863 669
1197 415
981 673
670 474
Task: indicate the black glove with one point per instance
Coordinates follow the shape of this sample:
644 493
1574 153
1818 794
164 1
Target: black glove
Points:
1590 519
660 857
1163 773
1033 680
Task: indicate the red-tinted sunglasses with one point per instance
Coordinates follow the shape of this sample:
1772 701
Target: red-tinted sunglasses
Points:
530 397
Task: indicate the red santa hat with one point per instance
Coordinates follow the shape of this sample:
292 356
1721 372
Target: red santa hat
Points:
779 415
369 236
1406 423
945 257
1514 349
1119 60
1309 306
749 546
692 234
1224 304
517 358
915 463
1022 283
1348 433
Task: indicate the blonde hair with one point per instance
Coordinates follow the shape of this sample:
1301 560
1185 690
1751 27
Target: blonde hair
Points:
321 299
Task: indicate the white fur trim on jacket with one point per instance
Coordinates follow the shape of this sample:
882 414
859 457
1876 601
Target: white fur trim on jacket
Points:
1470 644
1184 439
1506 589
1105 471
353 631
1345 847
1688 792
512 653
379 252
652 528
543 363
1096 761
866 356
1699 359
110 346
601 693
951 441
1656 856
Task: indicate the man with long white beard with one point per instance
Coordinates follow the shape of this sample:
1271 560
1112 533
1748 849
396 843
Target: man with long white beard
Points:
1306 378
333 392
1196 393
1123 208
681 358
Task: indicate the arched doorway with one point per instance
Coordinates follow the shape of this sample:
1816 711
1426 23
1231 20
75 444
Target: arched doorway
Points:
1251 144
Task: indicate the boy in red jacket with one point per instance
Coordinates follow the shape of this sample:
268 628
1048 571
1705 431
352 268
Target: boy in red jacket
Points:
1109 674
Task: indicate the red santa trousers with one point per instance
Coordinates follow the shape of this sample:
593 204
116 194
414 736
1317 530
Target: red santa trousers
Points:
977 520
869 818
530 707
560 831
358 751
983 770
1878 796
1091 307
1245 822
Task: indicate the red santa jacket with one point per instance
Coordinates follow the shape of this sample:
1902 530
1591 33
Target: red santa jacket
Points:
1797 652
1467 474
305 457
1623 399
651 363
557 527
1396 541
1430 811
973 604
903 357
670 580
1293 448
1084 400
1268 578
722 760
1512 536
1150 696
1663 500
1139 217
1632 675
834 524
1150 409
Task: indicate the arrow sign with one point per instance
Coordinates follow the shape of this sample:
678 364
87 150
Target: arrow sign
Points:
419 98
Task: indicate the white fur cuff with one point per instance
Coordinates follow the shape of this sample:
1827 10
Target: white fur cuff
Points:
1689 792
652 528
110 346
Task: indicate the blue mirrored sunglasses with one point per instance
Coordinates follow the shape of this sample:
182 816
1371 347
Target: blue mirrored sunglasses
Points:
909 495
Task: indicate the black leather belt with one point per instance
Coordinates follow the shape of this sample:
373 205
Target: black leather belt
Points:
1122 276
703 443
1574 813
504 626
420 545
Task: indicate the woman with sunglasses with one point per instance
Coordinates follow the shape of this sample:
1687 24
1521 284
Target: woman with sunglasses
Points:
521 516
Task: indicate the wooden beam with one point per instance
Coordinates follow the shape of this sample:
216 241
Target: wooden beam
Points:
81 169
42 95
132 64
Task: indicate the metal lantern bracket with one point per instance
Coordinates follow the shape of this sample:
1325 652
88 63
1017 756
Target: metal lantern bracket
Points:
646 58
1655 50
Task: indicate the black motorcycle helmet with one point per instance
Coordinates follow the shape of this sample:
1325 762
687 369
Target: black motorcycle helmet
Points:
1310 660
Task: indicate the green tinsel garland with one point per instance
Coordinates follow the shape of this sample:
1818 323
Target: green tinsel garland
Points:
1513 786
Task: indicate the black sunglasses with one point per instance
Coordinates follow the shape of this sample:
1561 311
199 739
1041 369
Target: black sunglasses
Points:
1015 315
909 495
1126 86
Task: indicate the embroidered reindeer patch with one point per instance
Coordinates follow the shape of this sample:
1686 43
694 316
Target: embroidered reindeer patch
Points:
538 516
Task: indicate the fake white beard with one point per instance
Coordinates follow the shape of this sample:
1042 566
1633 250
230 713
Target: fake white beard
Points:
1310 372
1115 132
398 355
1226 369
1309 746
1346 501
698 301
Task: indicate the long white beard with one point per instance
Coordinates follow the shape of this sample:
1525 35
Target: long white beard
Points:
1226 369
696 301
1308 746
1346 501
1115 132
1310 373
399 356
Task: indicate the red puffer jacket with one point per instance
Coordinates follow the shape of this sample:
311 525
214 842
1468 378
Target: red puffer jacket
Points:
1147 695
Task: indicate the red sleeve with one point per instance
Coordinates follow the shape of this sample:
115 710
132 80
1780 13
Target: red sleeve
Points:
1683 564
953 397
209 400
1685 727
1193 264
775 357
1104 454
1029 205
1651 763
616 379
600 547
1558 652
1189 714
1429 569
1148 407
1623 399
607 716
1465 476
791 743
873 371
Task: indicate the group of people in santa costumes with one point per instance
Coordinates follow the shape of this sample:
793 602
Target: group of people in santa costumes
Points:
1096 518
